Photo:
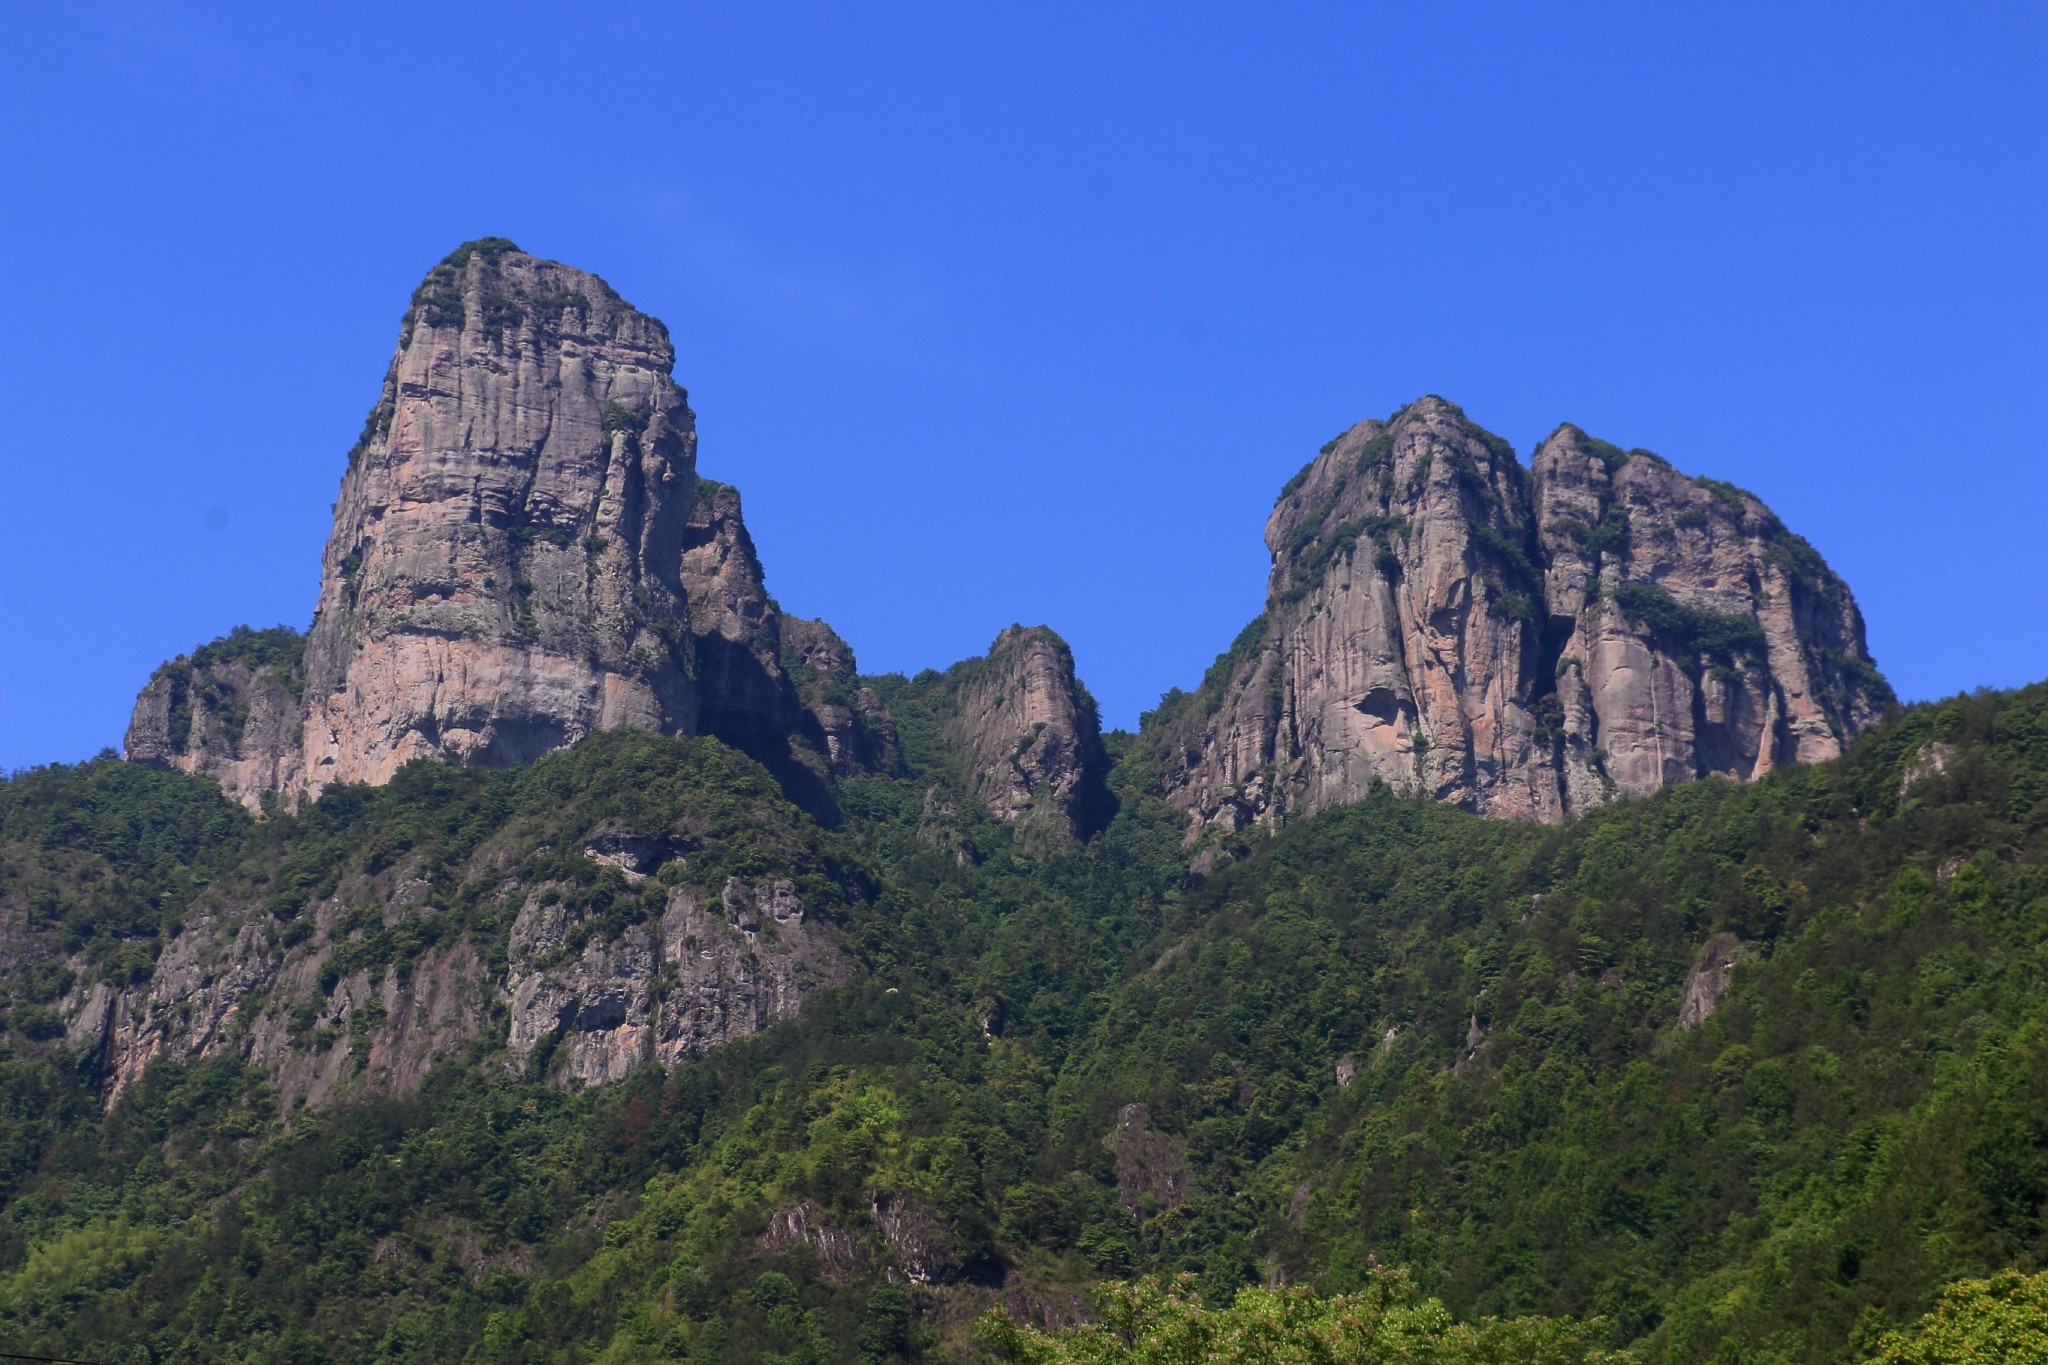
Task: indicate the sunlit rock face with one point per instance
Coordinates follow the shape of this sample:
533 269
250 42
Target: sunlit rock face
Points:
1522 643
522 555
505 567
1029 738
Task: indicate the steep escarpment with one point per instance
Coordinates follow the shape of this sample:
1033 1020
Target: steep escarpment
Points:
1525 644
232 709
781 688
1692 633
522 555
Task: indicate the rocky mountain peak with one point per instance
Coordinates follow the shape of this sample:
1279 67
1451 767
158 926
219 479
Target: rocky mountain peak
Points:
507 543
1523 643
522 555
1694 634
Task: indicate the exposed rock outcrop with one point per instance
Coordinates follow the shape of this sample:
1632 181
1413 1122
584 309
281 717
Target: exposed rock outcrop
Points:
1710 979
669 990
381 1030
1522 644
585 1004
522 555
1030 738
1148 1162
838 1253
918 1242
505 571
1692 634
232 710
851 725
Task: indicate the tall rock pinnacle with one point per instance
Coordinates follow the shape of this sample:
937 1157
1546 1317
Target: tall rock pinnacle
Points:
1030 738
1522 644
522 555
507 545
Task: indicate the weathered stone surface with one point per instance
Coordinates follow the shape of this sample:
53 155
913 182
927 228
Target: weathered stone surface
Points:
852 726
1928 761
1148 1162
1522 644
1030 738
1711 976
838 1252
1693 634
375 1032
505 571
231 711
917 1241
600 1005
665 991
522 555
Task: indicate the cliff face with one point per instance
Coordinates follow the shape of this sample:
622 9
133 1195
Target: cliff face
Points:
1029 738
508 540
638 900
1522 644
701 975
852 727
1693 634
583 1008
522 555
780 688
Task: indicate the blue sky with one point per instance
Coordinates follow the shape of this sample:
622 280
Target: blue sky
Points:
1007 312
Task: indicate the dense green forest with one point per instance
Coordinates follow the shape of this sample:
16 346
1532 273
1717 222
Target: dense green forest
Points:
1393 1041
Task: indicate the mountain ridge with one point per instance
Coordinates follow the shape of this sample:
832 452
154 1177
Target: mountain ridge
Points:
523 554
856 1006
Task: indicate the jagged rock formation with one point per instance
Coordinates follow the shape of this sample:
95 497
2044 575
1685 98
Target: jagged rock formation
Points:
1029 738
782 688
694 978
1525 644
1709 980
1693 634
508 540
667 991
522 555
382 1030
854 729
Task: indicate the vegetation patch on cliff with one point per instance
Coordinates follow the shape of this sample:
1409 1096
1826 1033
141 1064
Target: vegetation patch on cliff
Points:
1693 631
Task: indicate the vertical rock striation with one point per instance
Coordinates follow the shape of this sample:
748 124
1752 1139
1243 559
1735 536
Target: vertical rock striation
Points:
522 555
504 574
232 710
1692 633
1524 644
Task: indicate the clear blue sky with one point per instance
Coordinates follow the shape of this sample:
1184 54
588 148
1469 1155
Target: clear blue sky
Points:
1024 312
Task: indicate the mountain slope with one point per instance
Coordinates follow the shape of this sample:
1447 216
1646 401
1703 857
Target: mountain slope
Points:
1509 1057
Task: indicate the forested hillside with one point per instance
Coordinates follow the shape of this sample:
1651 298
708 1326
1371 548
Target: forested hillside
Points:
1740 1071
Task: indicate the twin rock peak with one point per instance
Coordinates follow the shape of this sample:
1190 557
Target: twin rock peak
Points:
523 554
